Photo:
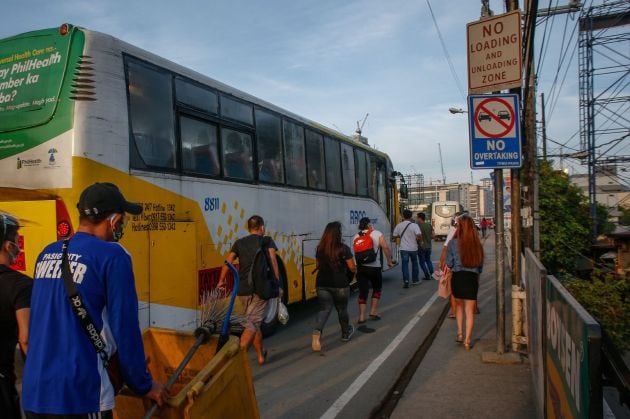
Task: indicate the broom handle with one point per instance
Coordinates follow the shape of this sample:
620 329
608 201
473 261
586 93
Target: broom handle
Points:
225 329
200 339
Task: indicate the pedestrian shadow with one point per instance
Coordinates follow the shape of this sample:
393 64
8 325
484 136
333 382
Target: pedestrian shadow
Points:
365 329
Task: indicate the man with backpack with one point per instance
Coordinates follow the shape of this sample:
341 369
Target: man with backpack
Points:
366 245
253 272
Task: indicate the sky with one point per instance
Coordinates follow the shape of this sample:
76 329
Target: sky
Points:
328 60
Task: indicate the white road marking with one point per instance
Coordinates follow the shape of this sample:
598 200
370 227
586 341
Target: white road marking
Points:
360 381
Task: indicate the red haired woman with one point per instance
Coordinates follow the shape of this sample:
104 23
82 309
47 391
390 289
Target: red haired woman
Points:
334 261
464 256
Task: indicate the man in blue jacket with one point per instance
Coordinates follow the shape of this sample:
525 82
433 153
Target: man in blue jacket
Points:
64 374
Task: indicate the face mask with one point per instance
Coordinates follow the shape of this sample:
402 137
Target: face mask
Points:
117 231
13 254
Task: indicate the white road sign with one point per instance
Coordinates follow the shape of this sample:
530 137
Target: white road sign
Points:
494 53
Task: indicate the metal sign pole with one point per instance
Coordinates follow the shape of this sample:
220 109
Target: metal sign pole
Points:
499 247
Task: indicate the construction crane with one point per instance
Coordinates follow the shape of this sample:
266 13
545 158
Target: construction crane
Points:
442 165
360 125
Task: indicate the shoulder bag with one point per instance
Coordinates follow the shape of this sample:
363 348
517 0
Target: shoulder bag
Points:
111 364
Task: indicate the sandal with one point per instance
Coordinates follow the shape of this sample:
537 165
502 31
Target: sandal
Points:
460 338
264 358
361 321
375 317
468 346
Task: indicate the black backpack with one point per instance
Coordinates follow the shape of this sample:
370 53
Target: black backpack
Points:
261 277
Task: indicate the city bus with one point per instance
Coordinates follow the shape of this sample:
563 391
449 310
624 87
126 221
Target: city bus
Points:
78 106
442 212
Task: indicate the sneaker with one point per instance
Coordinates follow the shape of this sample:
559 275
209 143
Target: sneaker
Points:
406 285
315 342
348 334
415 282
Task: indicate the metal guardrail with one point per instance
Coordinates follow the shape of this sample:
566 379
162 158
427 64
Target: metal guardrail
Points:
615 371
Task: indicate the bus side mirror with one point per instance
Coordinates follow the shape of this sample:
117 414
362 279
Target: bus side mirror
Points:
403 191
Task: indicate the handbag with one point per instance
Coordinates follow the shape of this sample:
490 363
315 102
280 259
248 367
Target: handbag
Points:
111 363
444 287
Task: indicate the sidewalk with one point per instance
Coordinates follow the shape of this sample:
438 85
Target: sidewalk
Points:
452 382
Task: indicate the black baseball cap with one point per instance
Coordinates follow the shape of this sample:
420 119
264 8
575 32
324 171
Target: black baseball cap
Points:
105 198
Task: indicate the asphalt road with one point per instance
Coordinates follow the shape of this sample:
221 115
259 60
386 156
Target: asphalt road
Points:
347 379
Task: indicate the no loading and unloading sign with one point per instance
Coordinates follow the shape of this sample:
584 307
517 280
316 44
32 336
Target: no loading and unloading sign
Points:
494 131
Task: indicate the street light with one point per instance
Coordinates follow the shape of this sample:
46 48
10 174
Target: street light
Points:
456 110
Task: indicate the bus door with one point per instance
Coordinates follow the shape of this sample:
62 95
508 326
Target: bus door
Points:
172 276
38 228
308 265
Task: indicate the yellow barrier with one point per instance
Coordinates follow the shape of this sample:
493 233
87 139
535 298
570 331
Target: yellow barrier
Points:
211 386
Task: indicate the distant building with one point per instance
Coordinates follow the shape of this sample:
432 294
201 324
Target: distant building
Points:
609 190
477 199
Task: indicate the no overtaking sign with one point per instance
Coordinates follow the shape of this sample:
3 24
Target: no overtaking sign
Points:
495 130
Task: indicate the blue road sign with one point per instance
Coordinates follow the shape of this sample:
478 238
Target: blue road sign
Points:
495 131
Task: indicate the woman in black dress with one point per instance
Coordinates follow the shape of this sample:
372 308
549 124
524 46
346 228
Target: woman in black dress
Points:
464 256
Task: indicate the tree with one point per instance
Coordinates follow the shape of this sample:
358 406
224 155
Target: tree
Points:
564 215
624 219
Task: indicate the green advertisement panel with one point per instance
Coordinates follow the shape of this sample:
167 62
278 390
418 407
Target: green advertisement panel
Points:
573 374
35 72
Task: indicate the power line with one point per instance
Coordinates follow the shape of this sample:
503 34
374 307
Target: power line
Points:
448 57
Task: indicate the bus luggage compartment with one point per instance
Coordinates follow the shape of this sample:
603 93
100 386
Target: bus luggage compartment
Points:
212 385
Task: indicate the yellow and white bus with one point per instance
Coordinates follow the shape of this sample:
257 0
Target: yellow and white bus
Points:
78 106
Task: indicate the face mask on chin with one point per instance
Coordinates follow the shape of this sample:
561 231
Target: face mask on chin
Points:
13 254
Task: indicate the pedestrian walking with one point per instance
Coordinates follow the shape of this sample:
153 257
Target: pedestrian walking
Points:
370 273
409 234
449 236
464 256
424 248
484 227
15 300
65 374
335 266
245 250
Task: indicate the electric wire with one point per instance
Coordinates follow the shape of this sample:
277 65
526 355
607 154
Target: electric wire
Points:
448 57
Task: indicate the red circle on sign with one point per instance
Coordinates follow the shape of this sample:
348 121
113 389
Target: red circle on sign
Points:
508 128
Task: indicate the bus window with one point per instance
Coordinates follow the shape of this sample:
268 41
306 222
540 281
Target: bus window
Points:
382 186
315 160
150 116
199 147
294 154
269 143
360 163
236 110
237 154
333 165
347 167
372 176
196 96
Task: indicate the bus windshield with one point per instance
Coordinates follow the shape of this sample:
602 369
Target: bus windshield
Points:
445 211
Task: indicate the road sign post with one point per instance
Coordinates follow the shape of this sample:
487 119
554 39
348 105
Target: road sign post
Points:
495 132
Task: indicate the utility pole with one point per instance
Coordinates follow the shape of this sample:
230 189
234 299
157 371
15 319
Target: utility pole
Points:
543 126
